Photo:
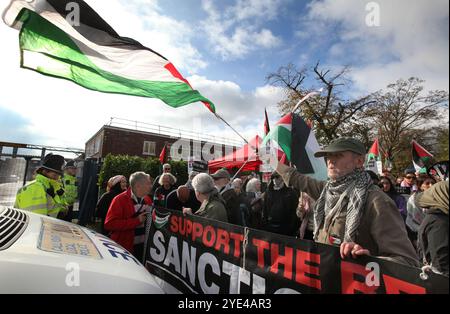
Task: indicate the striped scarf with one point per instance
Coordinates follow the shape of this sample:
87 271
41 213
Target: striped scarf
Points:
350 190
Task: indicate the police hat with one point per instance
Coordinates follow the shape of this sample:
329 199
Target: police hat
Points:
53 163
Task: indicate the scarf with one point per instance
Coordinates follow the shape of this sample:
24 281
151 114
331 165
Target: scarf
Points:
352 189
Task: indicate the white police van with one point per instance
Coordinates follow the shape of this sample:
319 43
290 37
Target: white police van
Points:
39 254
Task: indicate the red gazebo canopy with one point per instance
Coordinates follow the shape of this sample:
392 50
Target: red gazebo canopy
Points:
239 157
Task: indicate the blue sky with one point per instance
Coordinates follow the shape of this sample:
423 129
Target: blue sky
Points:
226 49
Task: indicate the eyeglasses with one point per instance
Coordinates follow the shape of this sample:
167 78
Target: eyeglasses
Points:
410 177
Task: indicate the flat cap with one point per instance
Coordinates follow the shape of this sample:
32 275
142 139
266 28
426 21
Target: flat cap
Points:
342 144
219 174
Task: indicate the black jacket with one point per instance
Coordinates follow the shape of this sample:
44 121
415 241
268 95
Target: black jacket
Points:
160 196
105 201
232 205
433 240
174 203
280 211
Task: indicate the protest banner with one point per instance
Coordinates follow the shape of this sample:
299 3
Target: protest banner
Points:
190 254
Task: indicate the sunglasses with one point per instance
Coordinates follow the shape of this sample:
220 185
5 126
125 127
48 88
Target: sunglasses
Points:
410 177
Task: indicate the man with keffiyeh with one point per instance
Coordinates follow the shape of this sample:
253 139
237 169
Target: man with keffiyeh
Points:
351 212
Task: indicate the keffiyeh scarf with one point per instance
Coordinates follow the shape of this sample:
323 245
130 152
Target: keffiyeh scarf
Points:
351 190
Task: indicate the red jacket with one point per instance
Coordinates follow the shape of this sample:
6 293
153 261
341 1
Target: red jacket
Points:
121 219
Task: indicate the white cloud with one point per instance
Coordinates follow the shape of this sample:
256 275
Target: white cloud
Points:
246 9
237 31
244 110
143 21
412 39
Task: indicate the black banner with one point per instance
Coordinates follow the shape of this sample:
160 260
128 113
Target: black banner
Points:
190 254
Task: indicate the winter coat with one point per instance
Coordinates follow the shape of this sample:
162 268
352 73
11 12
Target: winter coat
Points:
232 205
213 208
122 220
381 231
160 196
105 201
174 203
433 241
280 211
433 232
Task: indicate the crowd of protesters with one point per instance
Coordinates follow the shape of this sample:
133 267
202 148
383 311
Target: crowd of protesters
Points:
404 219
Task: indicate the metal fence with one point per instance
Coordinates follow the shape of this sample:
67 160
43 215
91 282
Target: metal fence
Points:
14 173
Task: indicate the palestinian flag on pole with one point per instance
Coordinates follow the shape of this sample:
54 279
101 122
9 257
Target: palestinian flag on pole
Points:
374 152
373 161
421 157
90 53
162 156
292 136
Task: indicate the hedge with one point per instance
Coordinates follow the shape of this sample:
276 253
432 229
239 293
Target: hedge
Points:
126 165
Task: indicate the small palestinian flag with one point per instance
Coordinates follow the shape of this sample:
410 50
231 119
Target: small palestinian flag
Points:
90 53
295 138
160 218
374 152
162 156
373 161
421 157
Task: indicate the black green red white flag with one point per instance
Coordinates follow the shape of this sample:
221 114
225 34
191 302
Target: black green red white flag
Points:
90 53
373 161
296 139
421 157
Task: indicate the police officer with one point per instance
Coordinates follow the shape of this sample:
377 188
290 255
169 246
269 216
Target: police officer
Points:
44 194
70 188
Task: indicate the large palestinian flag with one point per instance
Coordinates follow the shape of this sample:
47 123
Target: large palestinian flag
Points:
421 157
293 136
92 54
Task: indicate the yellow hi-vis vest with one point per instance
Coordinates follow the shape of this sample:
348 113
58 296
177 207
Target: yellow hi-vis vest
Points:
70 189
34 197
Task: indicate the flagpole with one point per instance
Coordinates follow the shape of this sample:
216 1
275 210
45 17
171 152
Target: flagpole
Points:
224 121
240 169
306 97
243 138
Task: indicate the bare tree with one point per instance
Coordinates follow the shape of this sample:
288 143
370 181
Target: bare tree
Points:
404 112
333 115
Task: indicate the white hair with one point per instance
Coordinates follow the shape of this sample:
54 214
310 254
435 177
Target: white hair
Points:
236 183
203 183
138 177
251 185
172 178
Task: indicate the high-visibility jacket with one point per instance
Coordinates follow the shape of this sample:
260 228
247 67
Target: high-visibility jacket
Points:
70 189
41 197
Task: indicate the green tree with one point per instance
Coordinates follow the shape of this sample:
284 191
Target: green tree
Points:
403 112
